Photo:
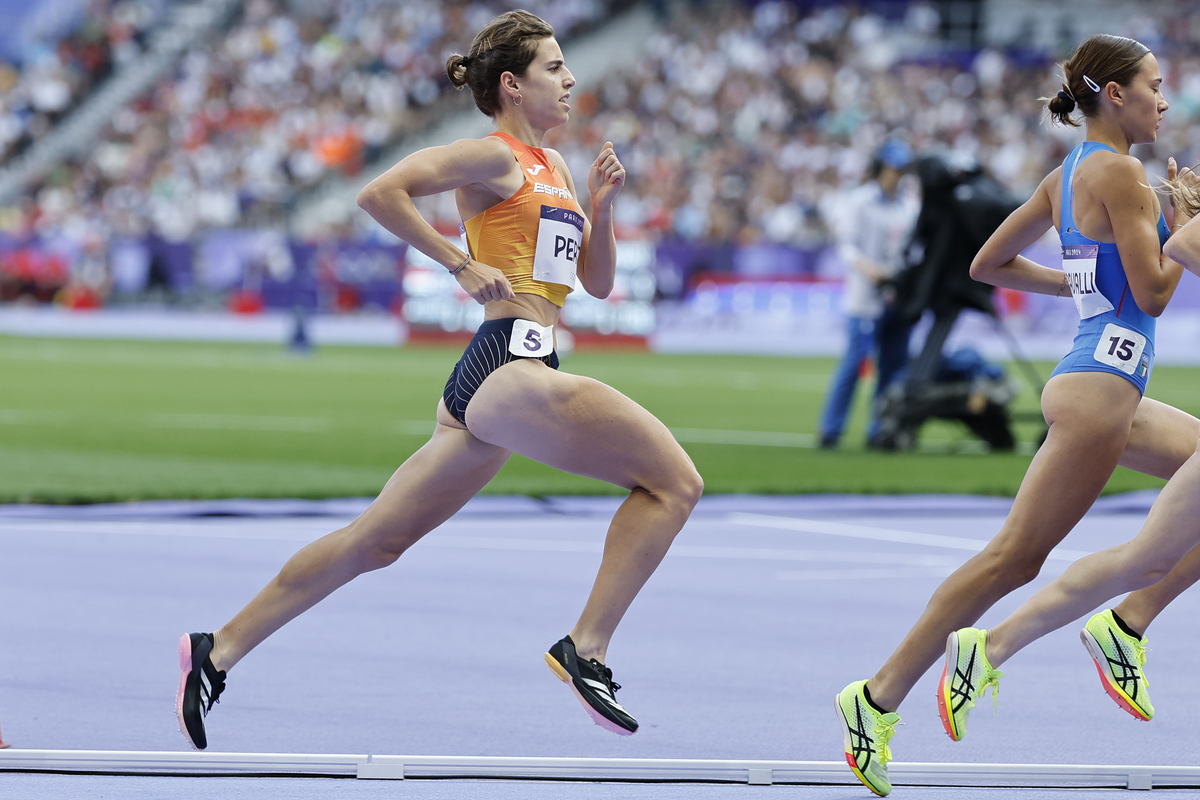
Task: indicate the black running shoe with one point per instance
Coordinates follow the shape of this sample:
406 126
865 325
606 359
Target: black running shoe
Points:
593 684
199 686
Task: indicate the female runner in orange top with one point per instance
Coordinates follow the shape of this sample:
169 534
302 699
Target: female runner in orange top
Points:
530 242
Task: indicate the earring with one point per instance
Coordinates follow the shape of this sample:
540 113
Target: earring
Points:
517 102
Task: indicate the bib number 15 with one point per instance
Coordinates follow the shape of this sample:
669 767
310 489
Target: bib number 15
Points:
1121 348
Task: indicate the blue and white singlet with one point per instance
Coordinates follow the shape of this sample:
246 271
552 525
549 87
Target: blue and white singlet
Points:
1114 334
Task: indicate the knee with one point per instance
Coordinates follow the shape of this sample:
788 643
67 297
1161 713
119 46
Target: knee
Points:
376 548
1146 571
691 487
1011 569
684 489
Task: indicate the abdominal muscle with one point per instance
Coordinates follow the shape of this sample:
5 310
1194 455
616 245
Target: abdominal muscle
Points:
523 306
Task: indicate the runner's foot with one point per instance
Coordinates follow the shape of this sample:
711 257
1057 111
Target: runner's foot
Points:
866 732
200 685
965 677
593 684
1120 659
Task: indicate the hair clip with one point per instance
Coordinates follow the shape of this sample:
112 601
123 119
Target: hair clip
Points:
1091 83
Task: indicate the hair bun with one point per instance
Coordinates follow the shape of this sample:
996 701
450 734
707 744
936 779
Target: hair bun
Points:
456 70
1068 101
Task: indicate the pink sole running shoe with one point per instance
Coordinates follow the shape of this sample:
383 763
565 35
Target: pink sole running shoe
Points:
1120 660
200 685
592 683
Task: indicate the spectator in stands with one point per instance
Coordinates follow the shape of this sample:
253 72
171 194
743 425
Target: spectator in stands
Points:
736 121
871 225
51 77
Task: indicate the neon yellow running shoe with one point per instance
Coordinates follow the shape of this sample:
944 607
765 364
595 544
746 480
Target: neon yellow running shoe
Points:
965 677
1120 659
866 733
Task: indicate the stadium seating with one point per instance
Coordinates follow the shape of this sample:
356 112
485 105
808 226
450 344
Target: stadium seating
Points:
737 124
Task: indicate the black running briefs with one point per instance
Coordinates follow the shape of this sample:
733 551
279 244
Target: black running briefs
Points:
486 353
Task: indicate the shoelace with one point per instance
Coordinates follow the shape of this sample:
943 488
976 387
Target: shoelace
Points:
993 680
217 683
886 731
1139 652
606 673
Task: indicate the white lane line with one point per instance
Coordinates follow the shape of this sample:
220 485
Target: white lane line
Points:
862 574
674 770
878 534
752 438
202 530
249 531
827 556
808 441
525 545
693 551
240 422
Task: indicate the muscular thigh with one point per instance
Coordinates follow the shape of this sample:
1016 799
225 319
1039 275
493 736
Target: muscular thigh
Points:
431 485
1095 404
1090 416
1161 438
576 424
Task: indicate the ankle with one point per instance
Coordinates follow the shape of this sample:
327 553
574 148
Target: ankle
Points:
1130 629
219 654
993 648
879 700
587 648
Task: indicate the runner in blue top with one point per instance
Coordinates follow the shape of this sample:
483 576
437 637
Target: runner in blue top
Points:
1093 404
1115 334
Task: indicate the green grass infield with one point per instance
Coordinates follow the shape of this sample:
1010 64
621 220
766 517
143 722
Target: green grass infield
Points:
102 421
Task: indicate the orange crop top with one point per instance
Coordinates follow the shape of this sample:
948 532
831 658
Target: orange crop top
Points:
535 236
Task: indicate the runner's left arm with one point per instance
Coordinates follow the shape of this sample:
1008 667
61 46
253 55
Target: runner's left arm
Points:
598 258
1184 244
1133 214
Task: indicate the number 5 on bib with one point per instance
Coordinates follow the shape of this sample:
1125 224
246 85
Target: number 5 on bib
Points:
530 340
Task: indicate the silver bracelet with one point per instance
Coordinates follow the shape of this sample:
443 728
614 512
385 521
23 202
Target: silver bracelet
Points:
461 266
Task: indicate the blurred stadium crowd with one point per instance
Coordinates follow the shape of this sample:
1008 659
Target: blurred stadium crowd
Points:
737 124
53 77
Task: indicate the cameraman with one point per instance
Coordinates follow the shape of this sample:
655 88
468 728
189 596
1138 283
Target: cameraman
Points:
871 225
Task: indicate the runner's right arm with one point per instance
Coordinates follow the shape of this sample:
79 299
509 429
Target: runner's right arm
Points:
467 162
1000 263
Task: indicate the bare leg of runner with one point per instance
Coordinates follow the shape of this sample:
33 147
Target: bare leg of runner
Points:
582 426
566 421
424 492
1055 494
1090 416
1140 608
1159 429
1172 530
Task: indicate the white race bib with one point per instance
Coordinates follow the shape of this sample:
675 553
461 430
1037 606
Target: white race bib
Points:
560 236
530 340
1079 262
1122 348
